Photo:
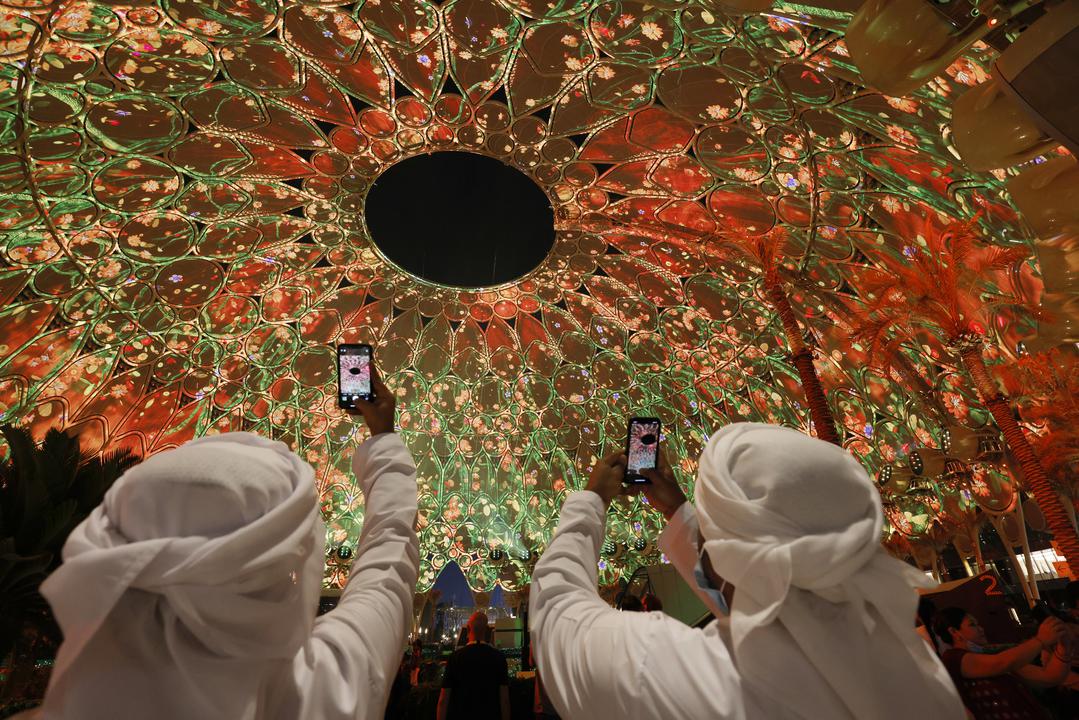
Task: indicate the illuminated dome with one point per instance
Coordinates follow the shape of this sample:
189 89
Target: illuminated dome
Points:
184 239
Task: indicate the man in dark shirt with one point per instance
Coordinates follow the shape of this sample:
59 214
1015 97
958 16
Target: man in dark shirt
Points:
476 683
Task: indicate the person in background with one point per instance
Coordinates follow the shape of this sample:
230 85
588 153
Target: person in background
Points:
192 590
416 662
475 685
812 618
1062 699
995 686
397 703
1070 609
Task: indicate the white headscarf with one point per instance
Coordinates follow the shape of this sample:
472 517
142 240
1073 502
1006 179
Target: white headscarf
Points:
823 617
198 560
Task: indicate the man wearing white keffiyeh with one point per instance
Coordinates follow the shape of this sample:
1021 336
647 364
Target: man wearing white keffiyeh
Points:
190 593
786 534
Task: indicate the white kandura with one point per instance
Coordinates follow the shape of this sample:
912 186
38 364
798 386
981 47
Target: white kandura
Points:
822 622
192 591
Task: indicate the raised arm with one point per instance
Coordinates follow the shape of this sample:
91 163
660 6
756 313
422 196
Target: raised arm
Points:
1055 669
975 665
1053 674
356 648
679 540
581 644
598 662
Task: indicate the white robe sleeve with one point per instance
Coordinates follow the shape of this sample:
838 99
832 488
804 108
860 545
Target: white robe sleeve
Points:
598 662
356 648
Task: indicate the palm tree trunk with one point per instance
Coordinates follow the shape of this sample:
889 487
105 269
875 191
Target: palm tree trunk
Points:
802 357
1033 473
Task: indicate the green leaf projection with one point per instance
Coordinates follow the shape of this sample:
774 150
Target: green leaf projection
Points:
182 189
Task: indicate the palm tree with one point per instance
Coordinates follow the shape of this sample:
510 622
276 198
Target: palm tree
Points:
1046 386
766 251
45 492
941 285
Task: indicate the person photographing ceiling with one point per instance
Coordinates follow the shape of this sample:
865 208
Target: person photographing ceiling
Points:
812 618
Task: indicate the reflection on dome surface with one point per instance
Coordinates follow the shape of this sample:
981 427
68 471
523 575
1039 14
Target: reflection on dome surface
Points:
183 190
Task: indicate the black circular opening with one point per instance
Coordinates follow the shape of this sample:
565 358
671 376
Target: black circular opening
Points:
460 219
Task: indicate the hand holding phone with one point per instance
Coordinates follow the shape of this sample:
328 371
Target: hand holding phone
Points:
354 375
642 449
377 405
663 492
605 478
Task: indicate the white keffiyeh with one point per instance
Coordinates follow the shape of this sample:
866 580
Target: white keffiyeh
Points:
199 559
822 619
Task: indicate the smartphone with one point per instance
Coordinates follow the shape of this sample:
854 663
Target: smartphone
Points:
353 375
642 448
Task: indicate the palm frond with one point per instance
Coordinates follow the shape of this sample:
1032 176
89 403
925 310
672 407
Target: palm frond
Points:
20 578
939 285
96 476
52 527
45 491
999 258
874 332
1058 451
25 495
58 460
766 251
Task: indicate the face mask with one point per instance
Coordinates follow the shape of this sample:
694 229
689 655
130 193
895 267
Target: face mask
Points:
704 585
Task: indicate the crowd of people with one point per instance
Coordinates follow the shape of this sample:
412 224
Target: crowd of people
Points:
191 593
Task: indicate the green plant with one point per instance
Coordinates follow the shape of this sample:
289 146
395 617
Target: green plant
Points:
46 490
767 252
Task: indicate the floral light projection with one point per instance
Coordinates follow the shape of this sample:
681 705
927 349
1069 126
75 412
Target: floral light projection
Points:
182 187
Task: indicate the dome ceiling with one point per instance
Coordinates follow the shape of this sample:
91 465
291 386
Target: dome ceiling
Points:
182 190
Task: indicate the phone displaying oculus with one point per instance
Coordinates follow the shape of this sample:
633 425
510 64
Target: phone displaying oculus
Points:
353 375
642 448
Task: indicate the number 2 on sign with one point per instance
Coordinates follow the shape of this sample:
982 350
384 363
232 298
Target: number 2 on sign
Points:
991 587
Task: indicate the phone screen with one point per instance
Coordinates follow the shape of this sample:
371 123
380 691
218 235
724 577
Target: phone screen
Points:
353 374
642 447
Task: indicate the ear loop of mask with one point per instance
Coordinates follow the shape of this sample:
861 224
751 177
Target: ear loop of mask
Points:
706 587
